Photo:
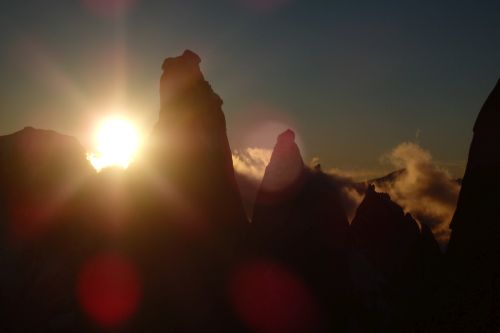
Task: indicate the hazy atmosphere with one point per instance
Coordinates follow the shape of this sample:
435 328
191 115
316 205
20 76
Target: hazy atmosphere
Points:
249 166
353 79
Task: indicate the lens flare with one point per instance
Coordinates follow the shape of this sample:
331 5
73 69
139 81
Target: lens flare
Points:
109 289
271 299
117 143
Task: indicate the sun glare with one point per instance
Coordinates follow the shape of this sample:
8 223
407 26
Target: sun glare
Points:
117 141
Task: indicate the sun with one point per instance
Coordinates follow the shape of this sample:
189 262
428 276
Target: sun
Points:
117 141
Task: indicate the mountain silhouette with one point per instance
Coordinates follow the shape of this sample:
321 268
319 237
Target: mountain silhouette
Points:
41 173
474 248
299 221
175 218
393 263
189 144
189 206
165 245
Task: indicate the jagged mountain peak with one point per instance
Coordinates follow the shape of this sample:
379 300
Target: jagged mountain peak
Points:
286 166
185 66
371 193
188 57
182 86
286 150
286 136
382 218
189 144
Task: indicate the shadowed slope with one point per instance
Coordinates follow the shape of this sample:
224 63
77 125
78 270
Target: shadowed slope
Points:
393 265
190 146
299 222
190 218
474 248
41 175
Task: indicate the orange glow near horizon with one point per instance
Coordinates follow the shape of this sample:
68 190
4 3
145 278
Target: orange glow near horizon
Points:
117 142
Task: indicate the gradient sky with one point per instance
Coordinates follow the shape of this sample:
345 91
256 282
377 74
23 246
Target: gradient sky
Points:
353 78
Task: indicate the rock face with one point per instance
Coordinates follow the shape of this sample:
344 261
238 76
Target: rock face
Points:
190 149
193 215
38 171
41 176
391 262
474 248
174 221
166 246
299 222
285 171
381 226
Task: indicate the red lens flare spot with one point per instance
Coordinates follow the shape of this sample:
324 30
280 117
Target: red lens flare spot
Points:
109 289
270 299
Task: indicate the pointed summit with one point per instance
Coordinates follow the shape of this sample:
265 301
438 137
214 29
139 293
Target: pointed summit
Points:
179 74
196 214
382 224
299 221
188 59
286 167
286 148
386 265
183 90
190 145
286 136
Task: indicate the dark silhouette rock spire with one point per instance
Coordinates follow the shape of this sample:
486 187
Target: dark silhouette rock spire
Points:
195 218
285 171
380 220
191 149
474 248
392 264
179 74
173 238
299 222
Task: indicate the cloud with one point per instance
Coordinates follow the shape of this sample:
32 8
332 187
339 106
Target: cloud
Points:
251 162
249 166
354 175
350 191
421 186
424 189
351 195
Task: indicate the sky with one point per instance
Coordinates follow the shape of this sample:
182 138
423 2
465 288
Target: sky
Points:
354 79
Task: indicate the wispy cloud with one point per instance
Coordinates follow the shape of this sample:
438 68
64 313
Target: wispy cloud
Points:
249 166
251 162
425 189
